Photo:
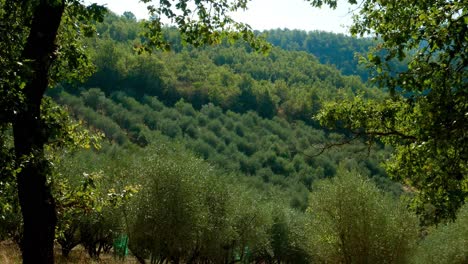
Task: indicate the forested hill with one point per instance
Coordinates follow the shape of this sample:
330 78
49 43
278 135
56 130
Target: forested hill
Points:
248 113
224 154
270 151
336 49
291 84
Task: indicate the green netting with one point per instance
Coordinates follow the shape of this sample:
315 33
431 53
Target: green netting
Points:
121 246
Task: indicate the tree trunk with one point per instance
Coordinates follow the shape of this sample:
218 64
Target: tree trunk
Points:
37 203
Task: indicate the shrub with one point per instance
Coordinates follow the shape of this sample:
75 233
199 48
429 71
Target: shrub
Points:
216 127
288 238
210 138
351 221
170 211
202 148
171 129
447 243
185 109
211 111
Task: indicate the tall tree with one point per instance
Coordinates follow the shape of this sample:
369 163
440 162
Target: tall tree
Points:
31 49
37 204
39 46
425 116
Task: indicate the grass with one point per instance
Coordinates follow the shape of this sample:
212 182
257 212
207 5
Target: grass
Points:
11 254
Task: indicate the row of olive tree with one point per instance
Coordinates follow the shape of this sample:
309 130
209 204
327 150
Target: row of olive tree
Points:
274 150
289 83
188 214
187 211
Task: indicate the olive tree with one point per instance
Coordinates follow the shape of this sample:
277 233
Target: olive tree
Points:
39 47
447 243
352 221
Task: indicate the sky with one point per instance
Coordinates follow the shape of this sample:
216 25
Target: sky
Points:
268 14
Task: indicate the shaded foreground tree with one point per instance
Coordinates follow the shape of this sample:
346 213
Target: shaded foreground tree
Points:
29 51
40 46
37 204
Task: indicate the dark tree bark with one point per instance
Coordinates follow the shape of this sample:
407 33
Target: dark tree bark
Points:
69 240
37 203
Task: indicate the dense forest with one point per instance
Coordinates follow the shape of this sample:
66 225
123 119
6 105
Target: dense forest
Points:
224 154
335 49
291 84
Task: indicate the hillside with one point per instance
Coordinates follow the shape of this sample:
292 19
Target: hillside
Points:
290 84
118 137
273 150
245 112
335 49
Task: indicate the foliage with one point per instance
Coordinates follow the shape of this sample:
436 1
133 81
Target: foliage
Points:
41 46
351 221
248 115
65 134
92 201
200 23
74 202
171 210
289 236
425 114
10 215
447 243
288 83
337 49
185 211
38 58
276 151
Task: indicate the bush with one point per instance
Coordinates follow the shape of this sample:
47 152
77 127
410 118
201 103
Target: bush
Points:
202 148
447 243
170 211
216 127
185 214
211 111
288 238
210 138
154 103
185 109
351 221
171 129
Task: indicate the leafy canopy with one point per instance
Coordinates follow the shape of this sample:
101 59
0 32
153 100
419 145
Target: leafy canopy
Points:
40 45
351 221
425 115
200 23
